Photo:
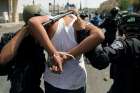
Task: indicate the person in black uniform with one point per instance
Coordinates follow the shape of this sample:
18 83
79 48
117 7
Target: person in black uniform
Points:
25 64
28 63
110 26
123 55
9 44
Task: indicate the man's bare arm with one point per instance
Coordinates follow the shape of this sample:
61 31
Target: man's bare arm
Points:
95 37
41 34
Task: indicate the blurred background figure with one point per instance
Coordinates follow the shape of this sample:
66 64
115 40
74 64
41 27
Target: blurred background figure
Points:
84 16
96 20
110 26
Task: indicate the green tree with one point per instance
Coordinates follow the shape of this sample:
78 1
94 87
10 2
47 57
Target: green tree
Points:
123 4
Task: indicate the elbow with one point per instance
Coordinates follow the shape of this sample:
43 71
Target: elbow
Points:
97 33
5 59
32 21
100 35
2 60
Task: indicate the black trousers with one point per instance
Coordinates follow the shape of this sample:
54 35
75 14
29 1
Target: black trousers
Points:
121 86
51 89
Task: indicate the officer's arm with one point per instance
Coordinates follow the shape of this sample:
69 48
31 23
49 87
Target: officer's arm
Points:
108 54
9 50
116 50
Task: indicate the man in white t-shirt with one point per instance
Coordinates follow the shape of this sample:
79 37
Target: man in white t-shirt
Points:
66 71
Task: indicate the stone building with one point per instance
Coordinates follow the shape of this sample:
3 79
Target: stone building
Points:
8 9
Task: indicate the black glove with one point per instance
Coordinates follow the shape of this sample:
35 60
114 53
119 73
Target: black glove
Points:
97 58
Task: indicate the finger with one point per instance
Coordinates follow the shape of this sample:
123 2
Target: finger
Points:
60 67
50 68
55 69
66 55
58 63
63 56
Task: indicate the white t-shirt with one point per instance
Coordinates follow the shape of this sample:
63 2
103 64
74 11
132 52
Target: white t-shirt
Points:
74 72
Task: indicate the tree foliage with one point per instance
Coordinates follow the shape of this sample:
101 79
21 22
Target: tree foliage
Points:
123 4
107 5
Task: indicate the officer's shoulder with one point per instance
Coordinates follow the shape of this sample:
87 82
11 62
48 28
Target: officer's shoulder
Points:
119 43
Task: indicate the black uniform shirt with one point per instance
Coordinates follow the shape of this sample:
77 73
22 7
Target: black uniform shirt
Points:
4 39
1 46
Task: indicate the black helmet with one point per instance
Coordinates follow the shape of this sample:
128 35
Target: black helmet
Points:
129 22
114 10
30 11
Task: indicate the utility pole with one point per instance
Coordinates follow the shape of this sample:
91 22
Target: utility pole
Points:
80 5
53 6
33 2
50 7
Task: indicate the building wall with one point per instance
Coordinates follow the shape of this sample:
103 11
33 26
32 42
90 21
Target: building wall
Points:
4 6
10 6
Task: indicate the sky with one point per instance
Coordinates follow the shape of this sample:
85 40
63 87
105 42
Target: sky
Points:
44 3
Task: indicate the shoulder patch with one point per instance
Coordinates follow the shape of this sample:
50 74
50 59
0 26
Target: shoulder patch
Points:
117 45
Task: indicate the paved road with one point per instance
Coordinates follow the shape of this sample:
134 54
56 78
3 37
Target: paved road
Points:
96 82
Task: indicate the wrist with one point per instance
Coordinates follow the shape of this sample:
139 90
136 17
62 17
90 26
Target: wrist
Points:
70 56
